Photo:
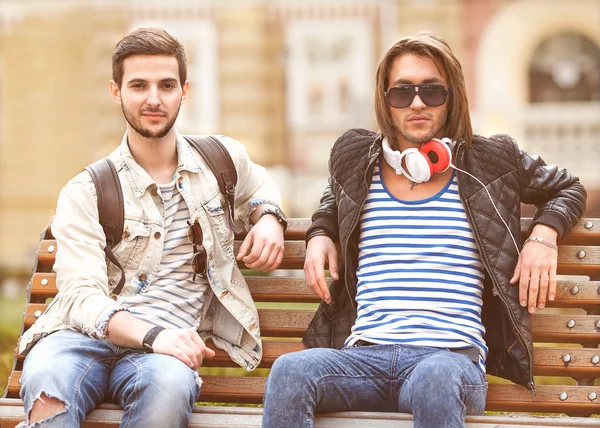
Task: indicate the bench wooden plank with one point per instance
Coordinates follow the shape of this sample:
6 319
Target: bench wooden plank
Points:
263 288
500 397
580 362
568 261
271 350
547 361
293 289
273 322
293 323
585 232
553 328
11 413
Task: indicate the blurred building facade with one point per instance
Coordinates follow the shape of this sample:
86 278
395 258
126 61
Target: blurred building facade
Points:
285 77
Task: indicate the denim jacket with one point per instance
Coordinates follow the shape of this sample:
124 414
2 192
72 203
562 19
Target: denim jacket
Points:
85 279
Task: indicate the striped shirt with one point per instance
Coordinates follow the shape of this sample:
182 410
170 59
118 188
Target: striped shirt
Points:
172 300
420 276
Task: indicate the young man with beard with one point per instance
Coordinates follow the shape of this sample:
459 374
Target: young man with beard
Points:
434 285
141 348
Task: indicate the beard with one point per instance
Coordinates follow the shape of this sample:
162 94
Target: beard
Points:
136 124
419 138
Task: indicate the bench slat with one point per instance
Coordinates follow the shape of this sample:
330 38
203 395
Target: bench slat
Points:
568 261
293 289
547 361
273 322
293 323
263 288
553 328
249 389
579 234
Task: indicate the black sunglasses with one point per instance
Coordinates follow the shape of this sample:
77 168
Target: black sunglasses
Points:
195 237
402 96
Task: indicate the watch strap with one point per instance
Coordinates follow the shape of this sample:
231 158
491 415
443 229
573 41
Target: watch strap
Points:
281 218
150 337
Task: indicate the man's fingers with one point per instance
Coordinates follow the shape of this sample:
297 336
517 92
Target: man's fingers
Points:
245 247
534 285
272 263
516 274
323 287
552 283
185 357
333 263
311 280
255 253
544 283
523 287
261 250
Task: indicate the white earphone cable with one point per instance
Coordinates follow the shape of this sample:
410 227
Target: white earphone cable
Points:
493 204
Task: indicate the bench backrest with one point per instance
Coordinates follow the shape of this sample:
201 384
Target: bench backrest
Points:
567 338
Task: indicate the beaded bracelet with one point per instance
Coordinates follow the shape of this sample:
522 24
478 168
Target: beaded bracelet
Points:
541 241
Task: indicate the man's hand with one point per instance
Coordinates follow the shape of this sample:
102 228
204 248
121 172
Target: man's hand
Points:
319 249
183 344
263 247
536 270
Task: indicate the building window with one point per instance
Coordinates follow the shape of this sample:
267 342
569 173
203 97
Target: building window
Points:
328 76
565 67
200 111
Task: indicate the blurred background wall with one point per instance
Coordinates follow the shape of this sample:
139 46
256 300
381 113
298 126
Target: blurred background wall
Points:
285 77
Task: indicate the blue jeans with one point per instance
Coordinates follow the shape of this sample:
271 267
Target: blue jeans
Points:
154 390
437 386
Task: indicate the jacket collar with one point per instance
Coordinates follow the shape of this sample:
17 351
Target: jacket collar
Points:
187 160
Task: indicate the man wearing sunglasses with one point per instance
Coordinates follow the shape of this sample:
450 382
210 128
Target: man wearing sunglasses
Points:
141 347
433 288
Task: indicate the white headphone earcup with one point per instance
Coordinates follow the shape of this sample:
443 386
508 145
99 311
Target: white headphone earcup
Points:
417 167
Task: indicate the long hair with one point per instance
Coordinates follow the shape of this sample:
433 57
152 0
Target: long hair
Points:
148 41
458 122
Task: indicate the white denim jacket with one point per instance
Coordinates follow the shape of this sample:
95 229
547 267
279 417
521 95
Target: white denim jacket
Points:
85 279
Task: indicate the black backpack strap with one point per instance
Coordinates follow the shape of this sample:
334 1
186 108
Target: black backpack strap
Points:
111 210
220 163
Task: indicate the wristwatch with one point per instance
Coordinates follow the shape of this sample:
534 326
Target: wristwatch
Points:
281 218
149 339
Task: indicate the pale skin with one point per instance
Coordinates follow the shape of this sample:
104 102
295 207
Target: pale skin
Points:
417 124
150 96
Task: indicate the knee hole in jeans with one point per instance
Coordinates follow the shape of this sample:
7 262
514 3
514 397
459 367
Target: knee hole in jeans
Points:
45 407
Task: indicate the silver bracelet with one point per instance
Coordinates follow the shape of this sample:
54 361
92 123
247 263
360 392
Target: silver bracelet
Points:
541 241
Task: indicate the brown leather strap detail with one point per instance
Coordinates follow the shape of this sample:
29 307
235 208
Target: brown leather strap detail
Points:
111 210
220 163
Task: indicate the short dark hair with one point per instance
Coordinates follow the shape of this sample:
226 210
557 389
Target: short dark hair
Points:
148 41
458 122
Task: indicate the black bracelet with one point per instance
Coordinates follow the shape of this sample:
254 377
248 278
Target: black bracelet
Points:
149 339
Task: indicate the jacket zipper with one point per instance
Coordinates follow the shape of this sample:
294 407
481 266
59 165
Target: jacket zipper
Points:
362 202
495 287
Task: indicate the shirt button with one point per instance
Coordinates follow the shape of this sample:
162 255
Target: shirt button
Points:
142 276
126 234
157 235
154 192
114 298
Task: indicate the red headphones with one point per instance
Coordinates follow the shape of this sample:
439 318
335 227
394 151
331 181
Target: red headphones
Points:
432 157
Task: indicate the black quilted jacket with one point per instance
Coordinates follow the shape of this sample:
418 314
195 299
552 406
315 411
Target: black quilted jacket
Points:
511 176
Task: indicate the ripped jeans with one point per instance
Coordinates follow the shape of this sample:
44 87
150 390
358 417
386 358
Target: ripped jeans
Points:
154 390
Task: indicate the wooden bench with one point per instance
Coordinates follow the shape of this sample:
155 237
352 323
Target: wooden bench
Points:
566 348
